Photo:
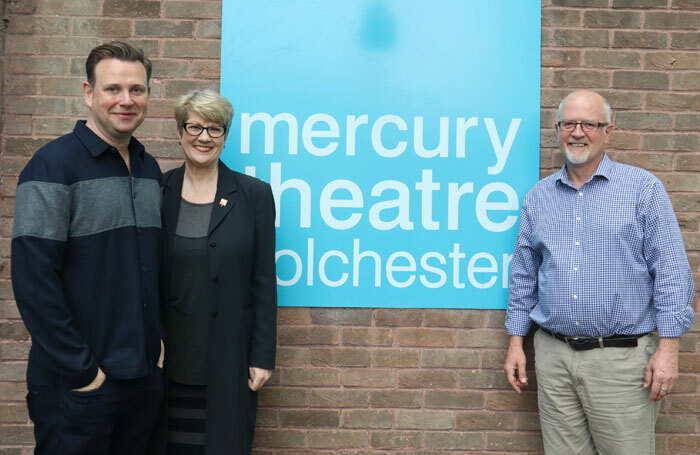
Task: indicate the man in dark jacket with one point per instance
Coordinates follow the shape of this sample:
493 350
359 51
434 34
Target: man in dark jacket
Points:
84 270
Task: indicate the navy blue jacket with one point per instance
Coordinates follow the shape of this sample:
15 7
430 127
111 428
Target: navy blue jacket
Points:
85 260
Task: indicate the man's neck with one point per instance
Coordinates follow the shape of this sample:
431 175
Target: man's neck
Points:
580 173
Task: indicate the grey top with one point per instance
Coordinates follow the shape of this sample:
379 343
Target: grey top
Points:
189 296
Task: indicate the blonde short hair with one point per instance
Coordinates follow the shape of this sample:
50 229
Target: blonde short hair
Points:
208 104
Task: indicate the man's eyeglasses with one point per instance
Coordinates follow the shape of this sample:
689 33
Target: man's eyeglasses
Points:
569 125
195 129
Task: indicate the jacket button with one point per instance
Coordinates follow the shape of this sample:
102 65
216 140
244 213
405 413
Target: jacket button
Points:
216 279
215 314
212 244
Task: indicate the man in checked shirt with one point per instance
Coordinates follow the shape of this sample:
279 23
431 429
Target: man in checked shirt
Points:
599 263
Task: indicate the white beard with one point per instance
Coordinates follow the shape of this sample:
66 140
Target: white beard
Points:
576 157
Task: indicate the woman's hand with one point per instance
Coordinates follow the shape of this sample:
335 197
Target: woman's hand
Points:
257 378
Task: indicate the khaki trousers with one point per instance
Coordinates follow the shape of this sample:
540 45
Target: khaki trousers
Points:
592 402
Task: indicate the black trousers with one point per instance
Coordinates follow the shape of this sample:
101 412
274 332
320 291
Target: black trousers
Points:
115 419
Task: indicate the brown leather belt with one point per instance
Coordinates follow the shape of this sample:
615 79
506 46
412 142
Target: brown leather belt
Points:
586 343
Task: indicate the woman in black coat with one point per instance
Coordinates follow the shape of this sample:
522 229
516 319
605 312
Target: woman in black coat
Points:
219 289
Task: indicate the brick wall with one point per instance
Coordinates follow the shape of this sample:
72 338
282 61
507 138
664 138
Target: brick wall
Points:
364 381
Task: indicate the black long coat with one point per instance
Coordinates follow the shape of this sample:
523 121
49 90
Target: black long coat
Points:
241 248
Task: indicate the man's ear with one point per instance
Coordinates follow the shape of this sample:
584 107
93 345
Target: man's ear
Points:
87 93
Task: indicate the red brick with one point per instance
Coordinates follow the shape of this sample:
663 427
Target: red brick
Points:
496 319
583 3
66 45
680 182
580 38
685 41
193 9
116 28
16 434
309 418
649 161
368 377
173 29
292 335
688 162
293 316
11 330
397 358
22 44
367 337
13 414
454 441
520 442
267 418
24 146
643 121
338 398
511 401
483 420
487 338
675 424
562 58
341 316
279 438
131 8
685 444
685 202
638 3
686 81
292 357
362 418
13 371
680 142
612 59
643 40
395 399
424 420
428 379
625 141
33 25
13 391
20 64
342 357
673 101
192 48
206 69
672 61
311 376
404 317
580 79
337 439
686 4
10 350
208 29
493 359
612 19
454 318
425 337
395 439
671 21
640 80
449 358
282 397
483 379
454 399
21 7
527 421
53 126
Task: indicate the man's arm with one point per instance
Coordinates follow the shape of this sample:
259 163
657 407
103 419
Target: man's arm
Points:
522 297
39 242
673 287
514 366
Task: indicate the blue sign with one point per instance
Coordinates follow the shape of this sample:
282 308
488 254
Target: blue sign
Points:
399 137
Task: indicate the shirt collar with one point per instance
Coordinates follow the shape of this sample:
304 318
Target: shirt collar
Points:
604 170
97 146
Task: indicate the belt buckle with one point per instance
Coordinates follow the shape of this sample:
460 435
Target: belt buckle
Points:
577 343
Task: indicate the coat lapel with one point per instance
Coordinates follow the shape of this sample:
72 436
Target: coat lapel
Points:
172 189
226 186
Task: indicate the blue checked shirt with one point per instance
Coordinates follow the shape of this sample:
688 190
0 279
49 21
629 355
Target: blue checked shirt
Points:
604 259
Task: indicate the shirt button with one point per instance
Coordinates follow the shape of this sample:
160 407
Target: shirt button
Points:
577 243
215 314
575 323
575 296
144 269
575 269
580 193
216 279
212 244
578 218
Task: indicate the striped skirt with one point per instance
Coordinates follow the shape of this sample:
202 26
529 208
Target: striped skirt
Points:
187 413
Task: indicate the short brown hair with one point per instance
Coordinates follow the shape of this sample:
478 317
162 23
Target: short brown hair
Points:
118 50
208 104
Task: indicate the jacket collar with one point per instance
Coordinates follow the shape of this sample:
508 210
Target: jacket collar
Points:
226 186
